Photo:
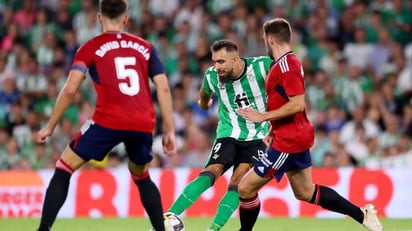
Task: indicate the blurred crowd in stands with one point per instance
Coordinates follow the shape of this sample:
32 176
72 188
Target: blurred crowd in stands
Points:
356 55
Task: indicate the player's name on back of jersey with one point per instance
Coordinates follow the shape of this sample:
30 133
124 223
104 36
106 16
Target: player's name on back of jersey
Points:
123 44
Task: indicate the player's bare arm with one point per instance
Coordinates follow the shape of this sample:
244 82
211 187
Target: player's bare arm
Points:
294 105
268 139
63 101
205 100
165 103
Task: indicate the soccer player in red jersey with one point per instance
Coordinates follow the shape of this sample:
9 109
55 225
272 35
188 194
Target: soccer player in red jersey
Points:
293 135
120 65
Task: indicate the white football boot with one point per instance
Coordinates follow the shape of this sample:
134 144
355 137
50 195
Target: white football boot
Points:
370 220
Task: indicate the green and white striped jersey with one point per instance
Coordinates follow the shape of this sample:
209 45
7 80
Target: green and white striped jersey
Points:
246 91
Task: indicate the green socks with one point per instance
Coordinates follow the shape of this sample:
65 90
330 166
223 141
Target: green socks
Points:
190 194
227 206
214 227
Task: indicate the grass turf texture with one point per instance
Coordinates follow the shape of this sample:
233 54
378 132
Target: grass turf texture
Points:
201 224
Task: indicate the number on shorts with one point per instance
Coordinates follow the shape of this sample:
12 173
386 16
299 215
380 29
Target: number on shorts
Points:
217 147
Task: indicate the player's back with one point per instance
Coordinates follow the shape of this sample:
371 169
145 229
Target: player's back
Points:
119 66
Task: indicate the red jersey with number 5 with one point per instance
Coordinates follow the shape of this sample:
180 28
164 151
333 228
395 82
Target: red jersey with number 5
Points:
120 65
295 133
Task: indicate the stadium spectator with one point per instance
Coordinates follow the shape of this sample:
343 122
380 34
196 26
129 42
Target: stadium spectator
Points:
25 16
196 152
399 21
13 155
4 155
8 95
320 146
407 120
85 22
380 54
8 40
358 51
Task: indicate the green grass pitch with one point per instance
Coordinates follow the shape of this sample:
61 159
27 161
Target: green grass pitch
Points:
201 224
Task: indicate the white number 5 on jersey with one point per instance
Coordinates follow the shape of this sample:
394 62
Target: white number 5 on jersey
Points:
123 73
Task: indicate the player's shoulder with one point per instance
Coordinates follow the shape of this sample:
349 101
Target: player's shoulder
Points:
290 58
288 62
257 59
210 71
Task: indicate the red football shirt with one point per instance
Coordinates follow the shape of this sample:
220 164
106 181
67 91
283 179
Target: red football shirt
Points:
295 133
120 65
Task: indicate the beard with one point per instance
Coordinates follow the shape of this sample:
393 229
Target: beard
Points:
226 77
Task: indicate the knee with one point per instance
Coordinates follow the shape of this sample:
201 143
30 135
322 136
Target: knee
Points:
304 195
136 169
212 176
245 191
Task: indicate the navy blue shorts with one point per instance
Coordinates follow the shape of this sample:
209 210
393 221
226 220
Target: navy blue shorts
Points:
94 142
275 163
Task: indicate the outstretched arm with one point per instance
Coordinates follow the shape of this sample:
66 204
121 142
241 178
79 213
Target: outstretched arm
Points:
294 105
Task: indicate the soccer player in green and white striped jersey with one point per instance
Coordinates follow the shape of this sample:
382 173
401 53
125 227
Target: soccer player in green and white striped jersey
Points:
237 82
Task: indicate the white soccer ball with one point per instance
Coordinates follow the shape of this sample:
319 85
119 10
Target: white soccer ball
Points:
173 222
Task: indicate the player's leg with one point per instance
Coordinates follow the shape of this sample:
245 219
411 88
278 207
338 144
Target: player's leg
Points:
247 153
56 192
138 146
272 164
220 159
149 194
304 189
92 142
230 201
249 207
196 187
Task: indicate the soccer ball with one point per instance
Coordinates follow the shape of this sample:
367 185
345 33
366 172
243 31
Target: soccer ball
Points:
173 222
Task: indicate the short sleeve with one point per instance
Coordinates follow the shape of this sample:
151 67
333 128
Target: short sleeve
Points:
82 59
293 81
155 65
206 82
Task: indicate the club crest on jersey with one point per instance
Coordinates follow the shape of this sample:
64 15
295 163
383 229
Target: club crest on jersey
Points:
249 72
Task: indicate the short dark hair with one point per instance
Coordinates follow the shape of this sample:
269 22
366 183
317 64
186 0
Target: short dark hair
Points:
224 43
279 28
112 8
